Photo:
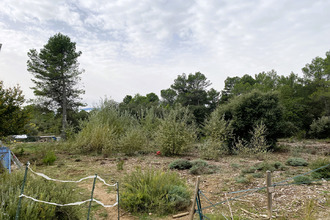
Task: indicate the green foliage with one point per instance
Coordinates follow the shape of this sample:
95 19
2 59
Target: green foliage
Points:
120 164
248 111
154 191
108 131
296 161
12 117
40 189
217 133
302 180
256 145
180 164
321 173
200 167
191 91
56 75
132 141
176 132
320 128
244 179
49 158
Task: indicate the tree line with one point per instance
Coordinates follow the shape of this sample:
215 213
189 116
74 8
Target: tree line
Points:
286 105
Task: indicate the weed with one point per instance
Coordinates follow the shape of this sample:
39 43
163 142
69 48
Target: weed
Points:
180 164
49 158
302 180
321 173
120 164
152 191
202 167
296 161
310 210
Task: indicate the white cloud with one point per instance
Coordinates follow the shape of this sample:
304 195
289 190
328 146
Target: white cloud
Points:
134 46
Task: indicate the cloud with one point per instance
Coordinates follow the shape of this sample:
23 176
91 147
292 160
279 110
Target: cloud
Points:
134 46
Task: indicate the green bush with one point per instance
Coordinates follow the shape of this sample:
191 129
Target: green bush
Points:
176 133
243 113
296 161
201 167
321 173
180 164
302 180
43 190
320 128
152 191
49 158
132 141
212 149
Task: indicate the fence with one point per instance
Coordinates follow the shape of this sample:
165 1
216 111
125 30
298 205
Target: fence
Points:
67 181
269 190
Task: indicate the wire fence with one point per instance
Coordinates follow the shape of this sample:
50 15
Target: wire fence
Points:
247 192
92 199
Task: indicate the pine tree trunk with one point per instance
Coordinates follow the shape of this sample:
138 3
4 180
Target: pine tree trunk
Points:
64 112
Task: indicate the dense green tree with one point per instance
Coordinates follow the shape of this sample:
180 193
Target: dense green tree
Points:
192 91
139 103
13 118
56 75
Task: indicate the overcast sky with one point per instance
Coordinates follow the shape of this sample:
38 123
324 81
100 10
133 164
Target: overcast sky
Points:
141 46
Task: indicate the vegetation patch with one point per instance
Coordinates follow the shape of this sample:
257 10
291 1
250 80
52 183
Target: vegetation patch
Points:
321 173
152 191
296 161
180 164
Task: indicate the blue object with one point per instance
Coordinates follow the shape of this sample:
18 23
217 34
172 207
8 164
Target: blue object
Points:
5 157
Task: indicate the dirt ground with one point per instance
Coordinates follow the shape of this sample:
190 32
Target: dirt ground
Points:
289 202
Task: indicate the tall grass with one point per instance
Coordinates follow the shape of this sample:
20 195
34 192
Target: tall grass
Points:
152 191
42 190
110 131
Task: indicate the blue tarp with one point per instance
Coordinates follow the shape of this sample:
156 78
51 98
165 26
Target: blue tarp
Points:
5 157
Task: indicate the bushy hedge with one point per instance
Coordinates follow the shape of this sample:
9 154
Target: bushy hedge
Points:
320 128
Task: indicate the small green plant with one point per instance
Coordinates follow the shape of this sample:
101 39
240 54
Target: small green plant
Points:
202 167
302 180
244 179
321 173
296 161
120 164
49 158
152 191
310 210
180 164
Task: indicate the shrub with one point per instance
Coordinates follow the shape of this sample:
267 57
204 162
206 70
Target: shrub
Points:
296 161
176 132
246 111
302 180
132 141
321 173
212 149
180 164
201 167
49 158
320 128
152 191
41 189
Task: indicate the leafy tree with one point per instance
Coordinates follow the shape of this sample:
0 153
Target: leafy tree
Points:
192 91
138 104
168 96
56 75
12 117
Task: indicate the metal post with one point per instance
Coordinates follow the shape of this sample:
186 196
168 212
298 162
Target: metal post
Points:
22 191
192 211
269 194
90 203
199 206
118 200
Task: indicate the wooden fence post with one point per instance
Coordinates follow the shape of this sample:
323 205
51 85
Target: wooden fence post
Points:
192 211
269 193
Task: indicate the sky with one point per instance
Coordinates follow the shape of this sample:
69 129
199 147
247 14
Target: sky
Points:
141 46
